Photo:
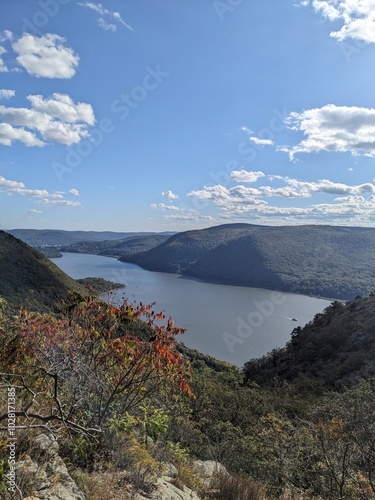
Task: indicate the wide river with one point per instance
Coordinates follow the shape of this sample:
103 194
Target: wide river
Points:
231 323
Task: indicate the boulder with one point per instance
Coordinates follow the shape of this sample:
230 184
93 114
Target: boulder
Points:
167 491
45 473
207 468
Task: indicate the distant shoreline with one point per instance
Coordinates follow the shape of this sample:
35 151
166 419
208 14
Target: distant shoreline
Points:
214 281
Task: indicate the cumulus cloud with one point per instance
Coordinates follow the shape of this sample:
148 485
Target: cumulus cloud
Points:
343 200
358 17
6 35
57 119
42 196
34 211
46 56
3 66
170 195
261 142
163 206
74 192
334 128
8 134
7 94
245 175
106 14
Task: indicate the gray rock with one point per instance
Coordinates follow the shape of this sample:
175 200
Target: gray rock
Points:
46 474
168 491
170 470
207 468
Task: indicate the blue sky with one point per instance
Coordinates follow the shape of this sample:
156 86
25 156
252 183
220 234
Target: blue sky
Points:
154 115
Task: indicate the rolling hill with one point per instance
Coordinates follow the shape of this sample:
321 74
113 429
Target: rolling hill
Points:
29 279
329 261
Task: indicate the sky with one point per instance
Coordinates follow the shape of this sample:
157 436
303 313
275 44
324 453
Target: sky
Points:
170 115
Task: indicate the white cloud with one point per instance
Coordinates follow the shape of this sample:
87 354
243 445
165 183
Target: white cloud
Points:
6 35
170 195
46 56
74 192
245 176
33 211
41 196
163 206
106 26
7 94
103 12
261 142
59 203
15 187
343 200
3 66
357 16
188 217
8 134
57 119
334 128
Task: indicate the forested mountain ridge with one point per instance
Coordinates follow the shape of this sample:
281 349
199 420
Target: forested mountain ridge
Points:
29 279
334 350
51 237
119 248
330 261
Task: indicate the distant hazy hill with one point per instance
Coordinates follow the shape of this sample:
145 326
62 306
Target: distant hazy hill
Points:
28 278
42 237
125 247
337 347
335 262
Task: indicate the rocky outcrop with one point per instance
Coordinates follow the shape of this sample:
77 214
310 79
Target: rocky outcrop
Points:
169 489
206 469
44 475
166 490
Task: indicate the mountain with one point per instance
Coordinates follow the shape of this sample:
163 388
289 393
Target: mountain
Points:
124 248
48 237
333 351
330 261
29 279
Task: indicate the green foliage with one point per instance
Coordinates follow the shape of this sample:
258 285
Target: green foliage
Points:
29 279
333 351
99 286
154 421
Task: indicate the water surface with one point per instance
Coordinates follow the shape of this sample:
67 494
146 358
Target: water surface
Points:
231 323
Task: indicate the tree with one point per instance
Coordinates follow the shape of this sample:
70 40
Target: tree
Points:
91 362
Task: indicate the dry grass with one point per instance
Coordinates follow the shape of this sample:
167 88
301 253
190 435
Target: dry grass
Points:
224 486
103 485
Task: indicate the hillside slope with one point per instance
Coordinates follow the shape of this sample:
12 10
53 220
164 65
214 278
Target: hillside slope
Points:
334 262
336 349
28 278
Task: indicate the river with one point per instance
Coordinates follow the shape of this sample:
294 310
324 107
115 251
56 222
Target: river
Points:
230 323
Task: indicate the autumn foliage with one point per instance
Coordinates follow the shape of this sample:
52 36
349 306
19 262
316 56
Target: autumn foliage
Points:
94 360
